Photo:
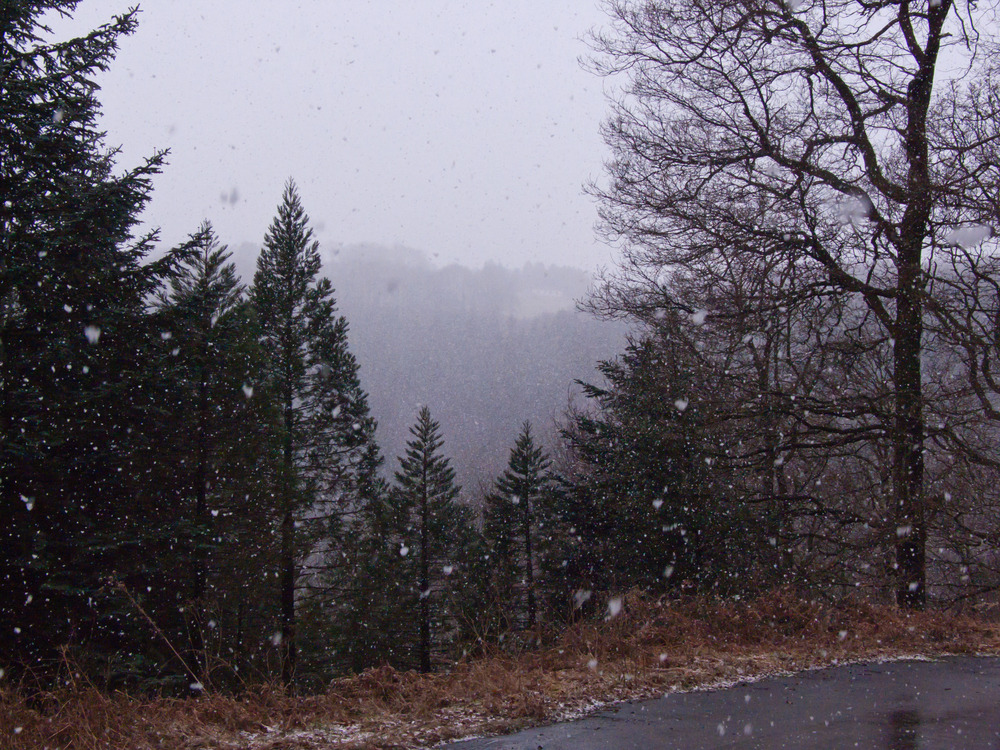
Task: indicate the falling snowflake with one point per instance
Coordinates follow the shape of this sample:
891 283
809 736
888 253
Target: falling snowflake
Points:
854 209
614 607
968 237
93 333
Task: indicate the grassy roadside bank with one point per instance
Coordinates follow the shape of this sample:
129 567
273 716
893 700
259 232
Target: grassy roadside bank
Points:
648 648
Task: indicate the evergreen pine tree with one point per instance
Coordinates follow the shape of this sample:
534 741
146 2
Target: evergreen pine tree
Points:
200 306
438 533
512 524
369 598
639 498
326 430
214 452
72 339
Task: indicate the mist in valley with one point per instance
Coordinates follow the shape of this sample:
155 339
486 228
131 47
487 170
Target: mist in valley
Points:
484 348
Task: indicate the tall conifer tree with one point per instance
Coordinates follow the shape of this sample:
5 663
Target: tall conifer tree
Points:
438 530
512 514
72 337
648 498
215 451
327 432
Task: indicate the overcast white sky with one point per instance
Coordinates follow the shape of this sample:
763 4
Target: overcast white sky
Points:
464 129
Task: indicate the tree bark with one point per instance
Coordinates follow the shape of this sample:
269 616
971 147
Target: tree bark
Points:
529 569
425 590
200 566
908 432
288 651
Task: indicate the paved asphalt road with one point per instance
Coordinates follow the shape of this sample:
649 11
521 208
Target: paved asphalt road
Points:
950 703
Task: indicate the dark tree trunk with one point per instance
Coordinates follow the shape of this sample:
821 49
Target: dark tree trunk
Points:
908 435
529 568
425 585
911 529
288 650
908 427
201 515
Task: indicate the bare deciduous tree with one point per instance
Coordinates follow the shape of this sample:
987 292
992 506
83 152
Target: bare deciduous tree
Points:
835 132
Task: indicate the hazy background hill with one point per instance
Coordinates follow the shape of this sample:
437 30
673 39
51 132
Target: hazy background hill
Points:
484 348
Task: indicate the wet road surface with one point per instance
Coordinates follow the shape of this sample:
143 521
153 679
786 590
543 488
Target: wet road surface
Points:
953 702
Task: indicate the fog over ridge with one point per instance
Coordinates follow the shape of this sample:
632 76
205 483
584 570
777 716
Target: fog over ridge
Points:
485 348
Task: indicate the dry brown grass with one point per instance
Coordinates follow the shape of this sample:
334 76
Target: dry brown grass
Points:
650 648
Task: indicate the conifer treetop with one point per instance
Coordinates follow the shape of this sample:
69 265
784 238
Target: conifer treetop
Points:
526 466
422 467
289 261
207 276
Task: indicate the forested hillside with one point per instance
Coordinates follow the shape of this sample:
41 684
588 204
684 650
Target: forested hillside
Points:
212 479
485 349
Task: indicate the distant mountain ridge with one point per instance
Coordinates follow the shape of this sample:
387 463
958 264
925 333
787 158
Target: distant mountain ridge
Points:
485 349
